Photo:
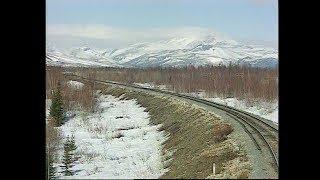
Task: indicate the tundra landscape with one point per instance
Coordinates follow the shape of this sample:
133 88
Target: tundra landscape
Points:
132 96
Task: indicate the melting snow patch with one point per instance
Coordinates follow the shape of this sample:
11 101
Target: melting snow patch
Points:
75 84
146 85
115 142
48 104
264 109
152 85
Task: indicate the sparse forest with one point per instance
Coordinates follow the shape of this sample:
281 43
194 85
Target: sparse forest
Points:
242 82
222 81
71 97
63 98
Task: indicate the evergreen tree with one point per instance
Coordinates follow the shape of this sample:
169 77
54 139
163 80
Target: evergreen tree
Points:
67 159
52 169
72 147
72 143
56 109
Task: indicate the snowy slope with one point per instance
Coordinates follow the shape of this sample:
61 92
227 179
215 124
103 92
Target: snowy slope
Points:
206 50
78 57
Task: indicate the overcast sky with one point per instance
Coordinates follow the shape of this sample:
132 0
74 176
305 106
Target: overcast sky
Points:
118 23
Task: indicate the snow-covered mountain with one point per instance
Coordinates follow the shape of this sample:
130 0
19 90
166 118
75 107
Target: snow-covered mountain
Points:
208 50
83 56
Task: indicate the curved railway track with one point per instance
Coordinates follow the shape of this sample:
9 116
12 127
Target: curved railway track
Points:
264 134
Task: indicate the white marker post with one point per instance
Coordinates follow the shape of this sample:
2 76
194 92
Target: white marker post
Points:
213 168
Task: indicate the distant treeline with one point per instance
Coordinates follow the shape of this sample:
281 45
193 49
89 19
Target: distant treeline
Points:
242 82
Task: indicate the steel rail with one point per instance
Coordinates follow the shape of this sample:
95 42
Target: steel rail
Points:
241 116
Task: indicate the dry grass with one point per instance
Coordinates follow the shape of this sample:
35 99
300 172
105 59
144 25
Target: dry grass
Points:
197 138
221 130
97 129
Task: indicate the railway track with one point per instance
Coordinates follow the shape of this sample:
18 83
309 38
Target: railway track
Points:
264 134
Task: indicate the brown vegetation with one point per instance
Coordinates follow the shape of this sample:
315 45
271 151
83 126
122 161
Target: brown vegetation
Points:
221 131
242 82
71 97
191 148
53 136
197 138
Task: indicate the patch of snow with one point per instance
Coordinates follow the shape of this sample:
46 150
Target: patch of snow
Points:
117 141
48 104
75 84
162 87
199 94
264 109
152 85
146 85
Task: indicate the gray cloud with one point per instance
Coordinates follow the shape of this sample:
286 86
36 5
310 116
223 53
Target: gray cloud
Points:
116 37
66 35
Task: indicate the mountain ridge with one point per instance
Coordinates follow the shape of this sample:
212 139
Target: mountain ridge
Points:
175 52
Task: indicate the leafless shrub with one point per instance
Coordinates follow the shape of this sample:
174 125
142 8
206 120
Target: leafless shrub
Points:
127 128
54 78
87 97
97 129
53 136
242 82
175 128
244 174
118 134
71 96
88 156
220 131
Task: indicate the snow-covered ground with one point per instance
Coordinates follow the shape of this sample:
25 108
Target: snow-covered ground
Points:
152 85
146 85
75 84
263 109
115 142
48 104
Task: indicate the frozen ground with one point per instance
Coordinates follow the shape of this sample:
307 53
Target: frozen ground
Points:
115 142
